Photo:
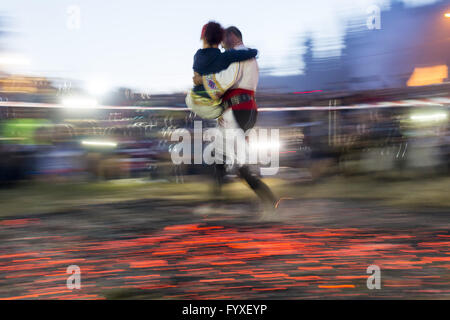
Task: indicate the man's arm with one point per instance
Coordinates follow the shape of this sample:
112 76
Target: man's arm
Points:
216 84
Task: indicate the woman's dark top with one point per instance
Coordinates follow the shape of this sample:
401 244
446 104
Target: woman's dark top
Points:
212 60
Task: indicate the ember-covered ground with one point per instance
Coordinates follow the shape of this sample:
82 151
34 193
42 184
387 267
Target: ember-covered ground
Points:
169 249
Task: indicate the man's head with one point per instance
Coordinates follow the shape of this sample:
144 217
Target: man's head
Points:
212 34
232 38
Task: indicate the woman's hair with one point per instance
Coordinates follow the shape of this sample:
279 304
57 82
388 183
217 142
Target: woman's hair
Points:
212 33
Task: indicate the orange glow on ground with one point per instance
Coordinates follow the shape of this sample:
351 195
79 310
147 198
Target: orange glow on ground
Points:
218 258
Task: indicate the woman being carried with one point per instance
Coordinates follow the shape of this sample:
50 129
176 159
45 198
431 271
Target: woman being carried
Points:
209 60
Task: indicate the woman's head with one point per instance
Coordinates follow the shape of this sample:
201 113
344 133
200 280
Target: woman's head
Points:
212 33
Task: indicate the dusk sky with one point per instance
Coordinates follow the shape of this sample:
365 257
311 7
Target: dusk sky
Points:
150 45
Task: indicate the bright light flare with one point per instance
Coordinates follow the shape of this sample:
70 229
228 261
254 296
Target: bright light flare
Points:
98 143
429 117
14 60
269 145
447 15
97 86
78 103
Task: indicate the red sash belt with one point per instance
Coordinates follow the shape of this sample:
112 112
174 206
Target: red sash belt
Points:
247 105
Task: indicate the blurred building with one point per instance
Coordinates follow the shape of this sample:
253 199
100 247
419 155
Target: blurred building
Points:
26 88
409 39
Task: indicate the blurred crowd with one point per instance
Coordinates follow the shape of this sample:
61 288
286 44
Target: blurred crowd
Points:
48 144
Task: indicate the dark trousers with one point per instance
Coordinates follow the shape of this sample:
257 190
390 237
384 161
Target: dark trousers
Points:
246 120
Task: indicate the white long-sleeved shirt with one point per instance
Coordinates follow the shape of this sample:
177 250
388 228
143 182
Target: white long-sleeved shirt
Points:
239 75
248 76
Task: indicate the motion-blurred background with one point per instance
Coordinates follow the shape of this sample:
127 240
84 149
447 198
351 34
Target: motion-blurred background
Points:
93 91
